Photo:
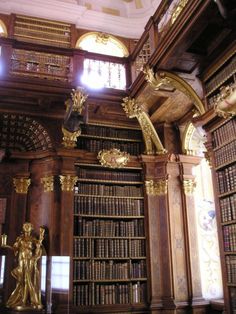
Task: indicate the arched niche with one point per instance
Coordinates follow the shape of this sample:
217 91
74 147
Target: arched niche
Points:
22 133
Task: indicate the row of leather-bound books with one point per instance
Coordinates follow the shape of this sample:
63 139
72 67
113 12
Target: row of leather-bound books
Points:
226 179
109 190
108 228
224 133
101 294
109 247
225 154
108 270
218 79
95 145
231 268
105 131
228 208
89 205
229 236
109 175
42 31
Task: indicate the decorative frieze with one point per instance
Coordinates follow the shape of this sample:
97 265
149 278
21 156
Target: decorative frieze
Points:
21 185
189 186
68 182
158 187
47 182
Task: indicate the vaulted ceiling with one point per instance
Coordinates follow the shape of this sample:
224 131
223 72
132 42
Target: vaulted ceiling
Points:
125 18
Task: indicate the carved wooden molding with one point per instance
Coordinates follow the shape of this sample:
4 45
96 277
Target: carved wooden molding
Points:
158 187
225 105
68 182
48 183
21 185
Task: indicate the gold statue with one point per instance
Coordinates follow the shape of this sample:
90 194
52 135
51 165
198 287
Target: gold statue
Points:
29 250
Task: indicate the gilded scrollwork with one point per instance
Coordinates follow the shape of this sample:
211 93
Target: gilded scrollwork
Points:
152 141
21 185
225 104
156 80
113 158
78 97
70 138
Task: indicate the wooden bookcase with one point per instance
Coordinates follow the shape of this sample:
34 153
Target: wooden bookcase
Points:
109 244
222 143
224 146
109 265
97 137
223 73
42 31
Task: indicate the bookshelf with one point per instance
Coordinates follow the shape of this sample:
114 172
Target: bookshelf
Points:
42 31
94 138
28 63
222 134
223 74
109 263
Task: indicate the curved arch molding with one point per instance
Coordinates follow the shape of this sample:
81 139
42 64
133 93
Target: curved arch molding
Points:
165 78
22 133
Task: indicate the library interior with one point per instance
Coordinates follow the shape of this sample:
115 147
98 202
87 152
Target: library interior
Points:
117 156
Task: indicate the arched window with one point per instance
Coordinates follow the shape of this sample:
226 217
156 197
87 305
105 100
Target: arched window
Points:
3 29
100 73
102 43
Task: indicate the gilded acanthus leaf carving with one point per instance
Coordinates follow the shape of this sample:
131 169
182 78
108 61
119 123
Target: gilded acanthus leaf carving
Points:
152 141
131 108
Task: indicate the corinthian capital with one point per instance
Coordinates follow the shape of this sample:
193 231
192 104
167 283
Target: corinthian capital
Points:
189 186
21 185
68 182
158 187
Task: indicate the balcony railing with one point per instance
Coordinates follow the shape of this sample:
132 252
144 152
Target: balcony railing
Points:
40 65
23 59
155 31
